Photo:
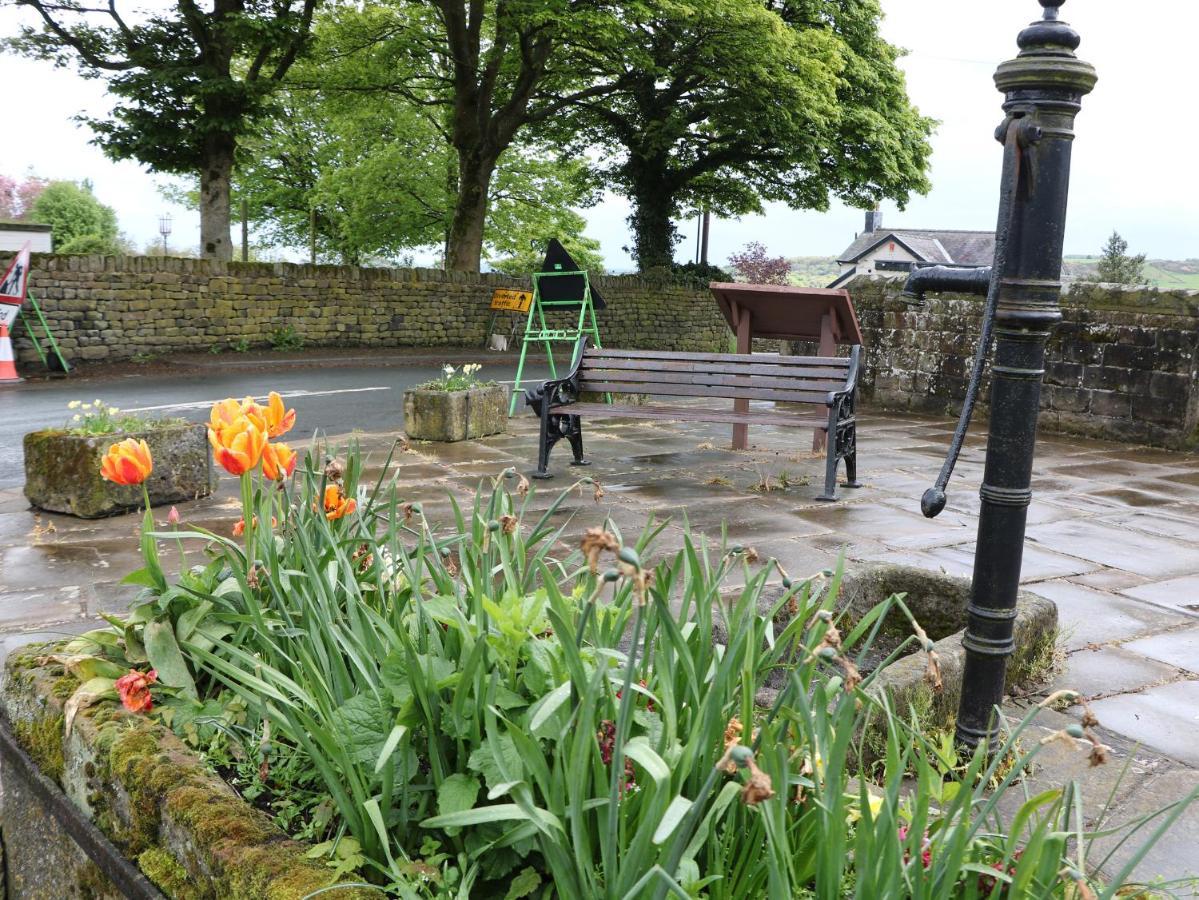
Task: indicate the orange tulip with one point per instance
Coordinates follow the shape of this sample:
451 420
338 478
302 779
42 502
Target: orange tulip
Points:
240 528
134 690
128 462
278 420
237 446
336 503
278 461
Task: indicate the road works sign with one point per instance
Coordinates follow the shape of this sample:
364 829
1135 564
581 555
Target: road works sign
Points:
12 288
518 301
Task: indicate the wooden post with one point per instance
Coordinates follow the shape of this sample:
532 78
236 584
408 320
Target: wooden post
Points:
744 345
312 235
245 230
828 347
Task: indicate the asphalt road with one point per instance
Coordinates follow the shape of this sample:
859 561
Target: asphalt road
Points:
333 400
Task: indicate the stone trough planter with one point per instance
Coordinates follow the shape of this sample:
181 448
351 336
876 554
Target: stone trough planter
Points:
159 807
455 415
939 604
62 470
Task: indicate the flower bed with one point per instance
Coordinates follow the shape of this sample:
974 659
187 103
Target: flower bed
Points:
481 711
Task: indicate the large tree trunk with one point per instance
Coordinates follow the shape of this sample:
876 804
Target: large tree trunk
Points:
464 243
654 234
215 177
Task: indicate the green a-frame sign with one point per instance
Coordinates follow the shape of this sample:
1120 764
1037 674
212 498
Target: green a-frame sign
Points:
560 286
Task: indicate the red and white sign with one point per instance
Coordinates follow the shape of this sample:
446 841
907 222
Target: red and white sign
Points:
12 288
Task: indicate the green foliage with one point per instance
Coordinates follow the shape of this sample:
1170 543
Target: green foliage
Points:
582 249
455 379
729 103
97 417
81 223
486 713
1116 266
286 339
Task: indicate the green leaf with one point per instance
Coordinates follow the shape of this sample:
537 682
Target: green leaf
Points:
523 884
389 746
188 621
548 705
163 653
671 818
457 793
142 576
501 812
639 750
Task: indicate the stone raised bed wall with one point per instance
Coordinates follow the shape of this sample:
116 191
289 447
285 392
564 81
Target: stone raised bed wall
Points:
187 830
1122 364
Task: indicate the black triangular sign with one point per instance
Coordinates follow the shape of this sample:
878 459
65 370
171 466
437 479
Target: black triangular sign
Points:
567 288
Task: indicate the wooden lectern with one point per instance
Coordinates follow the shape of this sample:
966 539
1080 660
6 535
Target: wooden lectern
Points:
782 312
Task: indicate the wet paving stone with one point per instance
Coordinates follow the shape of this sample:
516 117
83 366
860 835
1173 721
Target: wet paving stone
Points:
1182 593
1164 718
1104 671
1178 648
25 608
1117 547
1087 616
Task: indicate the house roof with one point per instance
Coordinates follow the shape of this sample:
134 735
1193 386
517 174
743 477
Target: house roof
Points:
962 248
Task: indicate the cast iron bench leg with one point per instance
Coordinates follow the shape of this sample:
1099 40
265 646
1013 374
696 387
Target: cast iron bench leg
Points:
575 436
544 445
851 459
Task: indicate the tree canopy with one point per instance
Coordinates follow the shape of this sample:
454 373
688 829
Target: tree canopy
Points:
188 81
80 222
730 103
1116 266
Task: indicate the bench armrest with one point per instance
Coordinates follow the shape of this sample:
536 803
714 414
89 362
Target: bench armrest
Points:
559 391
851 378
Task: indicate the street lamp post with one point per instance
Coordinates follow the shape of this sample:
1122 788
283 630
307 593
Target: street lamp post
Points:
164 228
1043 87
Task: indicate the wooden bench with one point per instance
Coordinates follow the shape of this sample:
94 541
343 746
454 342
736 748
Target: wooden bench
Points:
827 383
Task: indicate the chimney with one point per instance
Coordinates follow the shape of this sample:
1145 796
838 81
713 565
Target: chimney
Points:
874 219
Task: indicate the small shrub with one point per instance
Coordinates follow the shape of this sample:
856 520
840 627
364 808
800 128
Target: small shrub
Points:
454 379
97 417
286 339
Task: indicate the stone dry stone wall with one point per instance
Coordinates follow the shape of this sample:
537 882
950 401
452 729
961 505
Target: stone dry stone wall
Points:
1122 364
117 308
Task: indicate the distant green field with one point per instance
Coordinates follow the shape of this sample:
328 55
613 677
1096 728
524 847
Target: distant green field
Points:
1168 274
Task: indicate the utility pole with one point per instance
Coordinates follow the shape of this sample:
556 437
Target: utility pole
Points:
703 247
312 235
245 230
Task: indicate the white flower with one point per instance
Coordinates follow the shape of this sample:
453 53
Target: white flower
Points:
74 404
98 404
471 368
448 369
113 410
76 417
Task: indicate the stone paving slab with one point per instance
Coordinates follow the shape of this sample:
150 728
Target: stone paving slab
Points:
1165 718
1178 648
1090 617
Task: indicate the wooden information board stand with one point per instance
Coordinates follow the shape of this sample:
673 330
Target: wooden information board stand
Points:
786 313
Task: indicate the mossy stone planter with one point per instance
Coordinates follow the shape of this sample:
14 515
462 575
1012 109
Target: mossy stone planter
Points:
938 602
62 470
150 796
455 415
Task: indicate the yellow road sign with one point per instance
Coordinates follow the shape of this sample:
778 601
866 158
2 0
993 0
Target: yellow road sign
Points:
514 300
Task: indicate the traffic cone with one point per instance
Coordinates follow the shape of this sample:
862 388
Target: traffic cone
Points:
8 367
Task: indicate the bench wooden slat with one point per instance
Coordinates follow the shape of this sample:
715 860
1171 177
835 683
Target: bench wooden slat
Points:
739 368
837 361
684 414
650 376
703 390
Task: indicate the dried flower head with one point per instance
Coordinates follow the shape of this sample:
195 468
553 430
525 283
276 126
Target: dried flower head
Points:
598 493
1088 717
751 555
335 469
758 788
522 487
932 672
595 541
509 524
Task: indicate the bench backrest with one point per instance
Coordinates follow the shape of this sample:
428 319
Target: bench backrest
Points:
794 379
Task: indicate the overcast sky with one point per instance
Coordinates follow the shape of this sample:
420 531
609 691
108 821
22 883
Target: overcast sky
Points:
1133 161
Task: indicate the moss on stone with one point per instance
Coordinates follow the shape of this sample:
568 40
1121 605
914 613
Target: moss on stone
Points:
42 740
164 870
